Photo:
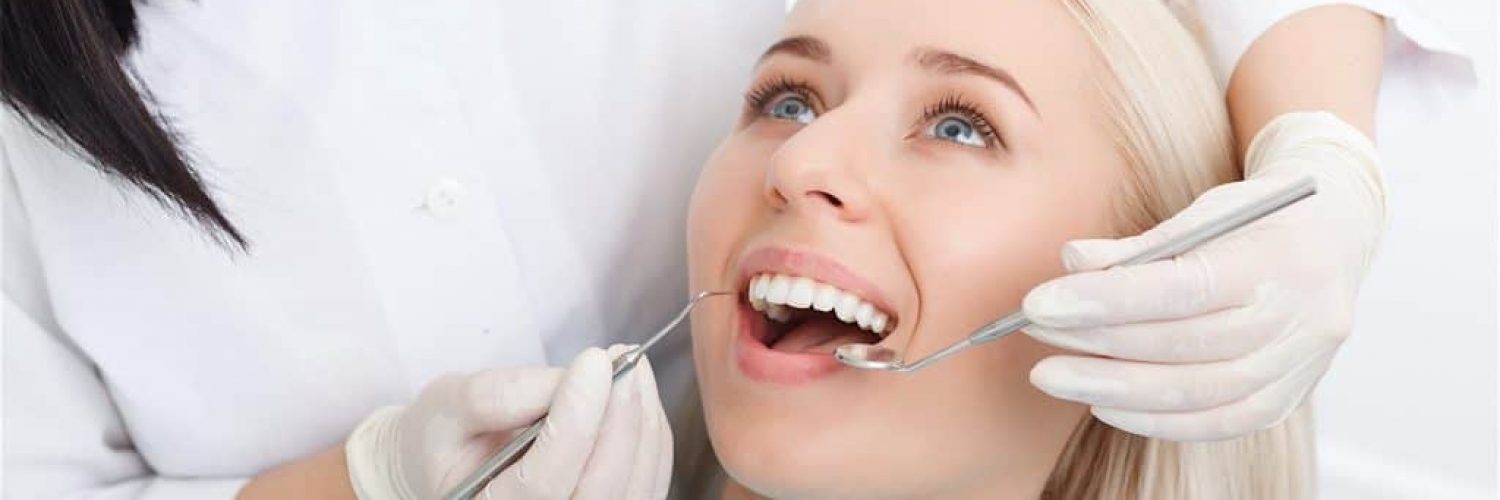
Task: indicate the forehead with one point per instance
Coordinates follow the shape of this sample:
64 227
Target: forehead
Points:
1038 41
971 20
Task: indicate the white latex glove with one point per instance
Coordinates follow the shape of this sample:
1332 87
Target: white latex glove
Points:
601 440
1229 338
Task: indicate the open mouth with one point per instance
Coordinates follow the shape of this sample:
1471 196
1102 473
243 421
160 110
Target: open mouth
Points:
800 314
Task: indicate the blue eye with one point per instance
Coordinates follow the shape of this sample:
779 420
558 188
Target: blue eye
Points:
956 129
791 106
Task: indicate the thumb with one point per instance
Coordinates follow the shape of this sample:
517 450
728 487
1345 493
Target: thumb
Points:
552 466
510 398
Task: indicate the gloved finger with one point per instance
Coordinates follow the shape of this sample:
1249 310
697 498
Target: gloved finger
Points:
663 486
551 468
643 475
1097 254
1138 386
1219 274
654 460
1216 336
1186 286
610 465
507 398
1259 411
668 447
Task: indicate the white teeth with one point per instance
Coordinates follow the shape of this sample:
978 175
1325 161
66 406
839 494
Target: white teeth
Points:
758 293
827 297
776 291
776 295
847 305
801 294
779 313
864 314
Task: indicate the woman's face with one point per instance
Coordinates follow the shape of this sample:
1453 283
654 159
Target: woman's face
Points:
922 160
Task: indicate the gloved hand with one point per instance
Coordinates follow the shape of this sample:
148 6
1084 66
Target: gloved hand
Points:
1229 338
601 440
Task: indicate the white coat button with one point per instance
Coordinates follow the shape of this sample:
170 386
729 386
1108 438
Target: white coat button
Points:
443 197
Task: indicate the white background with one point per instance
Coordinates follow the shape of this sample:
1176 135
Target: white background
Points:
1408 408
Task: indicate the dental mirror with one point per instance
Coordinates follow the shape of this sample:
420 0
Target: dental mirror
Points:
874 357
868 357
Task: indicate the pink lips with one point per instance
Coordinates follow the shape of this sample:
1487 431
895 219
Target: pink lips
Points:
764 364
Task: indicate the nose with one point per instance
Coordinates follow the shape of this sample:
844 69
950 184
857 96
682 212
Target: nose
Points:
814 172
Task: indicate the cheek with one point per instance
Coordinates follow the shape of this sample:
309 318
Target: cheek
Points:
974 254
725 209
722 211
995 233
977 250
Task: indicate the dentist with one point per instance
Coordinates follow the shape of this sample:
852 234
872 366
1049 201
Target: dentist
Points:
289 249
1230 338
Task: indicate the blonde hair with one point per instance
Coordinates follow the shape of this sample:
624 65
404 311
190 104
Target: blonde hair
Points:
1168 114
1172 129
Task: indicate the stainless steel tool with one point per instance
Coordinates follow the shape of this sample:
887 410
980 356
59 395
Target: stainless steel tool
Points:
875 357
518 445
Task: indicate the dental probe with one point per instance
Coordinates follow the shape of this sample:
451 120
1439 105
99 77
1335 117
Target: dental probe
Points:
874 357
518 445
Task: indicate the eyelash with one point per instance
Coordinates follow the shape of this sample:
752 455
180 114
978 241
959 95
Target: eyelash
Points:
761 94
956 104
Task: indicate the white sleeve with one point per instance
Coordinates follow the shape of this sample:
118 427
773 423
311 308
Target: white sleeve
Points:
63 436
1233 25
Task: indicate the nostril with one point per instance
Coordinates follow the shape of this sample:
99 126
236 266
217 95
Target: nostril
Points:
829 197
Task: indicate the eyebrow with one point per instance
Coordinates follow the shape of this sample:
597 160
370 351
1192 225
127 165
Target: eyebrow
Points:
937 60
801 46
946 62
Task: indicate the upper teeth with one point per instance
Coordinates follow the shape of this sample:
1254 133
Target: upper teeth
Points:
774 293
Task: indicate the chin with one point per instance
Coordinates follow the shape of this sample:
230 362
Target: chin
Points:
786 452
767 463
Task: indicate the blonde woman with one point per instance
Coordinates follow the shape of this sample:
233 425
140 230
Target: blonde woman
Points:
901 173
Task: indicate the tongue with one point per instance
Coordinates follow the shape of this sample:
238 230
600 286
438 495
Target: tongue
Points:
822 334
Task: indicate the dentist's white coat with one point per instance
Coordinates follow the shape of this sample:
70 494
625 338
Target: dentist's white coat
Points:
429 187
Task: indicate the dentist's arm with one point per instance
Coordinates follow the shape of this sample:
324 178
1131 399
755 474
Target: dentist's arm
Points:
1323 59
1230 338
319 476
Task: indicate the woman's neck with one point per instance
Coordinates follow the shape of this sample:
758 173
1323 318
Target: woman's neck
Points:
736 491
1012 490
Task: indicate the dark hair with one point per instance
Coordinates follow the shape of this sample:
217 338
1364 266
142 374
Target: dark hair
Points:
60 70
